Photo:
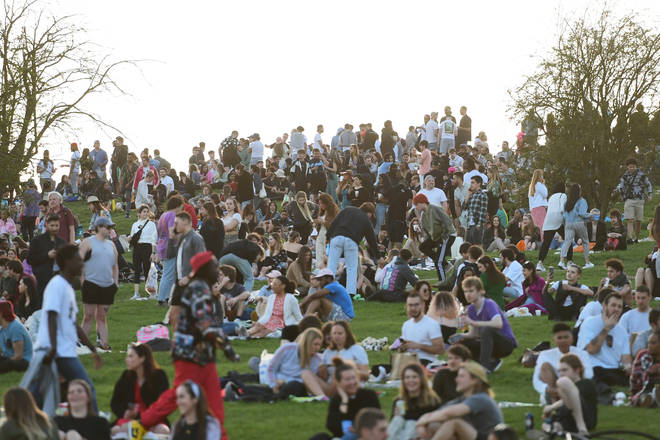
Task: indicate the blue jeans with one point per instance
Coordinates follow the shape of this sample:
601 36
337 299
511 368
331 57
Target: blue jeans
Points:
241 265
433 146
381 210
343 245
167 280
71 368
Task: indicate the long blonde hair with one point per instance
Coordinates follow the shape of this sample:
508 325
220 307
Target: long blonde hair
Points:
304 209
21 408
427 397
536 178
305 345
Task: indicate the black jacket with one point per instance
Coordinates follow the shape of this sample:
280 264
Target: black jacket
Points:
213 233
364 398
42 266
354 223
601 235
124 392
245 249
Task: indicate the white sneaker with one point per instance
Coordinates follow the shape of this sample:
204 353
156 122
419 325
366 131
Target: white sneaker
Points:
588 265
562 265
135 296
540 267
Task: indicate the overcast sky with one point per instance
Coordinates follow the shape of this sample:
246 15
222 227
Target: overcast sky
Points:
268 66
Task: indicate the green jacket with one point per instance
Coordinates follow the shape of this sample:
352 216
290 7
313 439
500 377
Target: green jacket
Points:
436 223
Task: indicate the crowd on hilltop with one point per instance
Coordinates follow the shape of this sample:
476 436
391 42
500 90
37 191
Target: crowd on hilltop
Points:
431 201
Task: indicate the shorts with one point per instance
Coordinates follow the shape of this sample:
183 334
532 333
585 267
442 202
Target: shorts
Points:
633 209
95 294
396 229
337 314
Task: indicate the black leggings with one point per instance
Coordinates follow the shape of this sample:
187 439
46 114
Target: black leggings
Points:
489 346
547 238
27 227
141 261
305 229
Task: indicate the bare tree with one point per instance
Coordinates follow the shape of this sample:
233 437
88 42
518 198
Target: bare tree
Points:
49 70
585 91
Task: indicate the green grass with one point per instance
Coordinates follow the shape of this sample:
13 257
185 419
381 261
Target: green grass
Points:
287 420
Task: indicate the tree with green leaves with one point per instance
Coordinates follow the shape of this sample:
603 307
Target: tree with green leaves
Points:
585 91
48 72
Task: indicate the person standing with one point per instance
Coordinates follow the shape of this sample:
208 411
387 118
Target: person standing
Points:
318 141
67 224
553 223
119 158
100 158
448 132
184 243
100 279
431 131
438 230
41 255
388 139
345 233
194 343
256 149
145 236
464 128
538 197
634 188
59 331
575 214
46 169
74 168
30 212
165 223
476 207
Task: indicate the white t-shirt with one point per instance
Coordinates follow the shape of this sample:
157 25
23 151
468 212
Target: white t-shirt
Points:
634 321
431 132
592 308
318 142
568 301
552 357
168 182
540 197
59 297
227 220
436 196
456 162
449 129
554 217
47 172
75 162
515 275
607 357
467 176
354 353
257 152
422 332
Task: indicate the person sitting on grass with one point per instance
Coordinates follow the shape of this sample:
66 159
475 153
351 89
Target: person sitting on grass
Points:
490 337
415 399
420 334
616 236
607 343
196 421
636 321
16 349
576 410
234 296
294 366
445 308
444 382
547 364
82 421
514 275
617 280
493 280
569 295
645 377
344 345
281 309
642 339
331 302
24 418
139 386
468 268
532 297
349 399
469 417
371 424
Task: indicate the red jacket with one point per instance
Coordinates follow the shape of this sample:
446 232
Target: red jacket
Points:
140 172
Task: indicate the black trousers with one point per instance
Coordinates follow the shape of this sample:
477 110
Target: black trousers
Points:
388 296
557 310
27 227
437 251
547 238
7 365
611 376
141 261
490 346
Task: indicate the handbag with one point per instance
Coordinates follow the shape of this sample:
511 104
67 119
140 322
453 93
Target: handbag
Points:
136 237
400 361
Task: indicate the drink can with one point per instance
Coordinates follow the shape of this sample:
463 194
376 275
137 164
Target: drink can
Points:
529 421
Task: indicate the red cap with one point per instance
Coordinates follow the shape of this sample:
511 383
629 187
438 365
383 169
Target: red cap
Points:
420 198
200 260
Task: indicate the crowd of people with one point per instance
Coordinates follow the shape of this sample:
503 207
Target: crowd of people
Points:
297 219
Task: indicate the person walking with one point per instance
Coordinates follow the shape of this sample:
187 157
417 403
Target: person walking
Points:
165 223
99 280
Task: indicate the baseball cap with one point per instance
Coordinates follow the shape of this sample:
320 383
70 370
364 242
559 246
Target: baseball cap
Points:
323 273
103 221
274 274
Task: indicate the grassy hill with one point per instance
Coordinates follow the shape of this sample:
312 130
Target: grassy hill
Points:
287 420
